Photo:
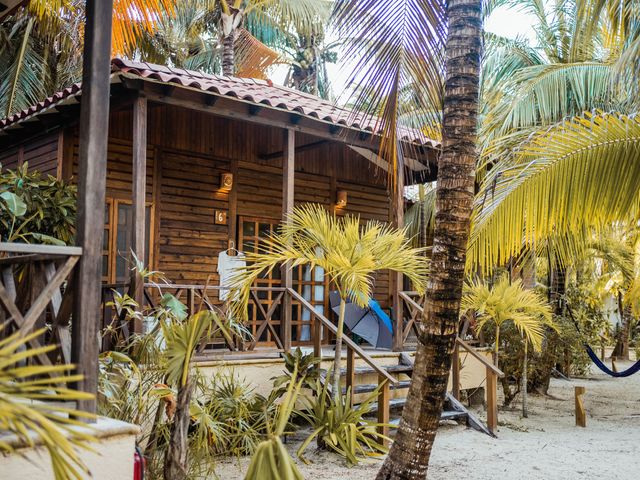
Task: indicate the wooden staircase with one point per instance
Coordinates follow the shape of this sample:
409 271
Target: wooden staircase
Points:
393 379
362 387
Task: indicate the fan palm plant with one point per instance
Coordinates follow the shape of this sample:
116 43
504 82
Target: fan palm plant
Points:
350 253
29 405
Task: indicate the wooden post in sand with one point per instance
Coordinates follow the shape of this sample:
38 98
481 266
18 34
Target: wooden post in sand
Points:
581 414
614 367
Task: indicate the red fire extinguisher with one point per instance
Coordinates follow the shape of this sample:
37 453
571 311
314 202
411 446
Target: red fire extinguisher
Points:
139 464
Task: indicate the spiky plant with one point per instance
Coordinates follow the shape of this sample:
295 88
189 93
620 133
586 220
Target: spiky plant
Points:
30 397
348 251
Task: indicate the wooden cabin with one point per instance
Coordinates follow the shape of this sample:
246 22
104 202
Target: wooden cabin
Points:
199 164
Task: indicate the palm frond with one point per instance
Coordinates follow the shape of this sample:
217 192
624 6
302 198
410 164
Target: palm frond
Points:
582 172
391 45
29 405
509 302
349 252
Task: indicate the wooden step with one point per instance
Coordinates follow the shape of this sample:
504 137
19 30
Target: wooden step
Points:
370 387
394 403
446 415
366 370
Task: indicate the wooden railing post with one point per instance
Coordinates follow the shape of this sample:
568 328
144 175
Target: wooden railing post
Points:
138 194
351 371
288 177
581 414
384 396
317 337
92 177
455 372
492 400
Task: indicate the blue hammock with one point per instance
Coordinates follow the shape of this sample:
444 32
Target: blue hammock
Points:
635 368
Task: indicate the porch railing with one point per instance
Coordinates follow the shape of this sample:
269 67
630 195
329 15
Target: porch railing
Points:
492 373
36 292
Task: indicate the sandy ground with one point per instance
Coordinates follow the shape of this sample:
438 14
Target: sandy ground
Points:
547 445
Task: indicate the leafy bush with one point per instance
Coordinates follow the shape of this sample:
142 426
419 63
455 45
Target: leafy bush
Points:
341 426
36 209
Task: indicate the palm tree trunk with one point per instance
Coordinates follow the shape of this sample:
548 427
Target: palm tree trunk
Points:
231 21
176 458
337 360
525 362
411 450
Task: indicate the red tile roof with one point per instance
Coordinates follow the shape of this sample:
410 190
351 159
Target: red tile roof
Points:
260 92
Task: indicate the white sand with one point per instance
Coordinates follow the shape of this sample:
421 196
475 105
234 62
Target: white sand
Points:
547 445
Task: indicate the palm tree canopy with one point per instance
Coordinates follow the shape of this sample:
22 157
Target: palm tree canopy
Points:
348 251
581 173
509 302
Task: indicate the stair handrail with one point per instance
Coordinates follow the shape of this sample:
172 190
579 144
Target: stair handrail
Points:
346 340
481 358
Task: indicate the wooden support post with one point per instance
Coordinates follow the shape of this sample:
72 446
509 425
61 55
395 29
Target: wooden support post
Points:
492 400
397 278
94 126
455 372
317 337
288 176
614 367
383 406
351 371
138 199
581 414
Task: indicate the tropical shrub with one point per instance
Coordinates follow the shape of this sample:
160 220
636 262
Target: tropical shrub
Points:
271 460
340 426
155 386
35 208
30 397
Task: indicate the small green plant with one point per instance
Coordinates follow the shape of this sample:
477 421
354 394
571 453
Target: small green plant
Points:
340 426
299 366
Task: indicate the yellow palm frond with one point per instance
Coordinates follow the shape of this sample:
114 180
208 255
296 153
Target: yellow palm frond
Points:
509 302
29 405
580 173
350 253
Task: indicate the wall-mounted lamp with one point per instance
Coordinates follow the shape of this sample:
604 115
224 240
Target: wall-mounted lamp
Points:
341 198
226 181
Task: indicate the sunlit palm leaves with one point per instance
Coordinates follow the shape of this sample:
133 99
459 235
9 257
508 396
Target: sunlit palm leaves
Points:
508 302
30 397
349 252
585 171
